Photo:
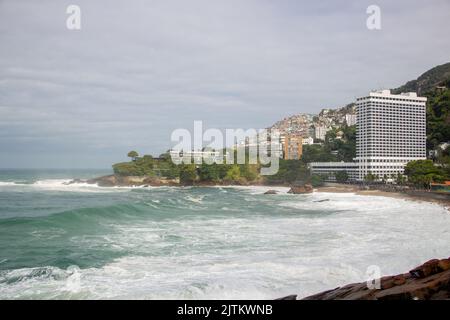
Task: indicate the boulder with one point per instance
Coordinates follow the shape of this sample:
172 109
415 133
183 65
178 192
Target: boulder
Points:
399 280
289 297
307 188
75 181
428 268
430 281
105 181
271 192
444 264
152 181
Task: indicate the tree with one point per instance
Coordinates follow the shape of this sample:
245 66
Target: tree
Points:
317 180
133 155
398 178
209 172
345 146
317 153
290 171
341 176
438 115
249 171
422 172
127 169
233 174
188 174
370 177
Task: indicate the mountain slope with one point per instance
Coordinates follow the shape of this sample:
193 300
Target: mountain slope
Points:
427 81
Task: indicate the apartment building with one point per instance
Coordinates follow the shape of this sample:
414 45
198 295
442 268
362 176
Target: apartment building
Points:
320 132
390 132
308 141
350 119
292 147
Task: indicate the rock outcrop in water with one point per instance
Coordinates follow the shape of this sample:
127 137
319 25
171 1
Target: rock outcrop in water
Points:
129 181
307 188
430 281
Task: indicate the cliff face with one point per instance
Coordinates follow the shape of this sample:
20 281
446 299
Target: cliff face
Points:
430 281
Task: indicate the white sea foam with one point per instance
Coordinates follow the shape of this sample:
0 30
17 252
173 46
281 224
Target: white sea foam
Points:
260 189
317 246
61 185
7 183
197 199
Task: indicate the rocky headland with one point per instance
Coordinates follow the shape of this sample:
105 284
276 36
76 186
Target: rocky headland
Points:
128 181
146 181
115 180
429 281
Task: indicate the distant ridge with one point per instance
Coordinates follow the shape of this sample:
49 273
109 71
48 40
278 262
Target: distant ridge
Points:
427 81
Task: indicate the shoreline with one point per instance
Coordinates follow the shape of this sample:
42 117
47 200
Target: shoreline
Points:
442 199
420 196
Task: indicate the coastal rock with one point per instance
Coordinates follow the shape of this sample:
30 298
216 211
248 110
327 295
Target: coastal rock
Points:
430 281
307 188
271 192
430 267
289 297
130 181
74 181
399 280
105 181
444 264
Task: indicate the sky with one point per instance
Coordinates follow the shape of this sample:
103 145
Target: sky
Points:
138 70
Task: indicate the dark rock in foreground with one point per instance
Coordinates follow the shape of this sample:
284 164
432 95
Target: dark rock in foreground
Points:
271 192
430 281
290 297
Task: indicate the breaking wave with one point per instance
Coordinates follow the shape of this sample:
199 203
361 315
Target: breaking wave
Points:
203 243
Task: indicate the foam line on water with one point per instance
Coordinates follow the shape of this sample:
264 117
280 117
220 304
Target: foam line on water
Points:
250 255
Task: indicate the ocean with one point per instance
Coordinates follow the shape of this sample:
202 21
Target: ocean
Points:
82 241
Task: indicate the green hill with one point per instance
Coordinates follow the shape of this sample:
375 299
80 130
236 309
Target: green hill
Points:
427 81
438 115
435 85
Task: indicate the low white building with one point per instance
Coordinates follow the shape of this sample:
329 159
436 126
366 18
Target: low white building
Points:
196 156
329 169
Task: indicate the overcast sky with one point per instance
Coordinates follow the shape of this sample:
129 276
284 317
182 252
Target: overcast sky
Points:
137 70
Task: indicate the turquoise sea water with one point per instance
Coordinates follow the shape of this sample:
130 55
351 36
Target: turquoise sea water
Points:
82 241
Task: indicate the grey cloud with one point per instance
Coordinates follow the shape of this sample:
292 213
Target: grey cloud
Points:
137 70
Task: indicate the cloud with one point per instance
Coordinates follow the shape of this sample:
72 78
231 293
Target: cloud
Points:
135 72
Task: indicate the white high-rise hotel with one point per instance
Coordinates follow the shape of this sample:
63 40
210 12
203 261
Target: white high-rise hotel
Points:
390 133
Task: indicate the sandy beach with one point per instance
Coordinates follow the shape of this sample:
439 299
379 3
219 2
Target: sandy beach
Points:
441 199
